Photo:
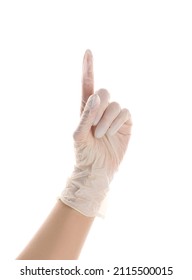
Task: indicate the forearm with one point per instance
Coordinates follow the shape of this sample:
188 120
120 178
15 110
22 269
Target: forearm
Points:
61 237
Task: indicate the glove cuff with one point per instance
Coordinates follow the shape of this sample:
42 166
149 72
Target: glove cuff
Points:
86 191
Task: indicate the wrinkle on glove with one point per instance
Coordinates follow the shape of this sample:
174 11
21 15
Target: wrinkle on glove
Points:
85 191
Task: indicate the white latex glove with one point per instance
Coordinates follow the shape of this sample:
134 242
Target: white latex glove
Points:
100 141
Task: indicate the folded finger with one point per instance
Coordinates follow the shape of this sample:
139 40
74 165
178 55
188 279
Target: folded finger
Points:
108 117
123 117
104 99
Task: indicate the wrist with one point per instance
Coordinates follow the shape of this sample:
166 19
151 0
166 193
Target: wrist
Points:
86 191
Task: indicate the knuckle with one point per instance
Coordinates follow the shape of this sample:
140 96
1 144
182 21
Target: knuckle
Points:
103 93
126 112
115 106
102 90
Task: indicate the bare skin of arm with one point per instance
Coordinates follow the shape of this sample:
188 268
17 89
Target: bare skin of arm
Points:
61 237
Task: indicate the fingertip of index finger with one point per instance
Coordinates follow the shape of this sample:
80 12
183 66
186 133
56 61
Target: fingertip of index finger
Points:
88 53
88 64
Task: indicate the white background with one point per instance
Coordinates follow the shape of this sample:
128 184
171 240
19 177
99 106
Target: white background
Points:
142 55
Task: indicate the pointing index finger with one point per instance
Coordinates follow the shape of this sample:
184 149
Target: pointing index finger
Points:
87 78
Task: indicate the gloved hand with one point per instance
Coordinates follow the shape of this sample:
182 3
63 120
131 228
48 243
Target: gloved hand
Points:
100 142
